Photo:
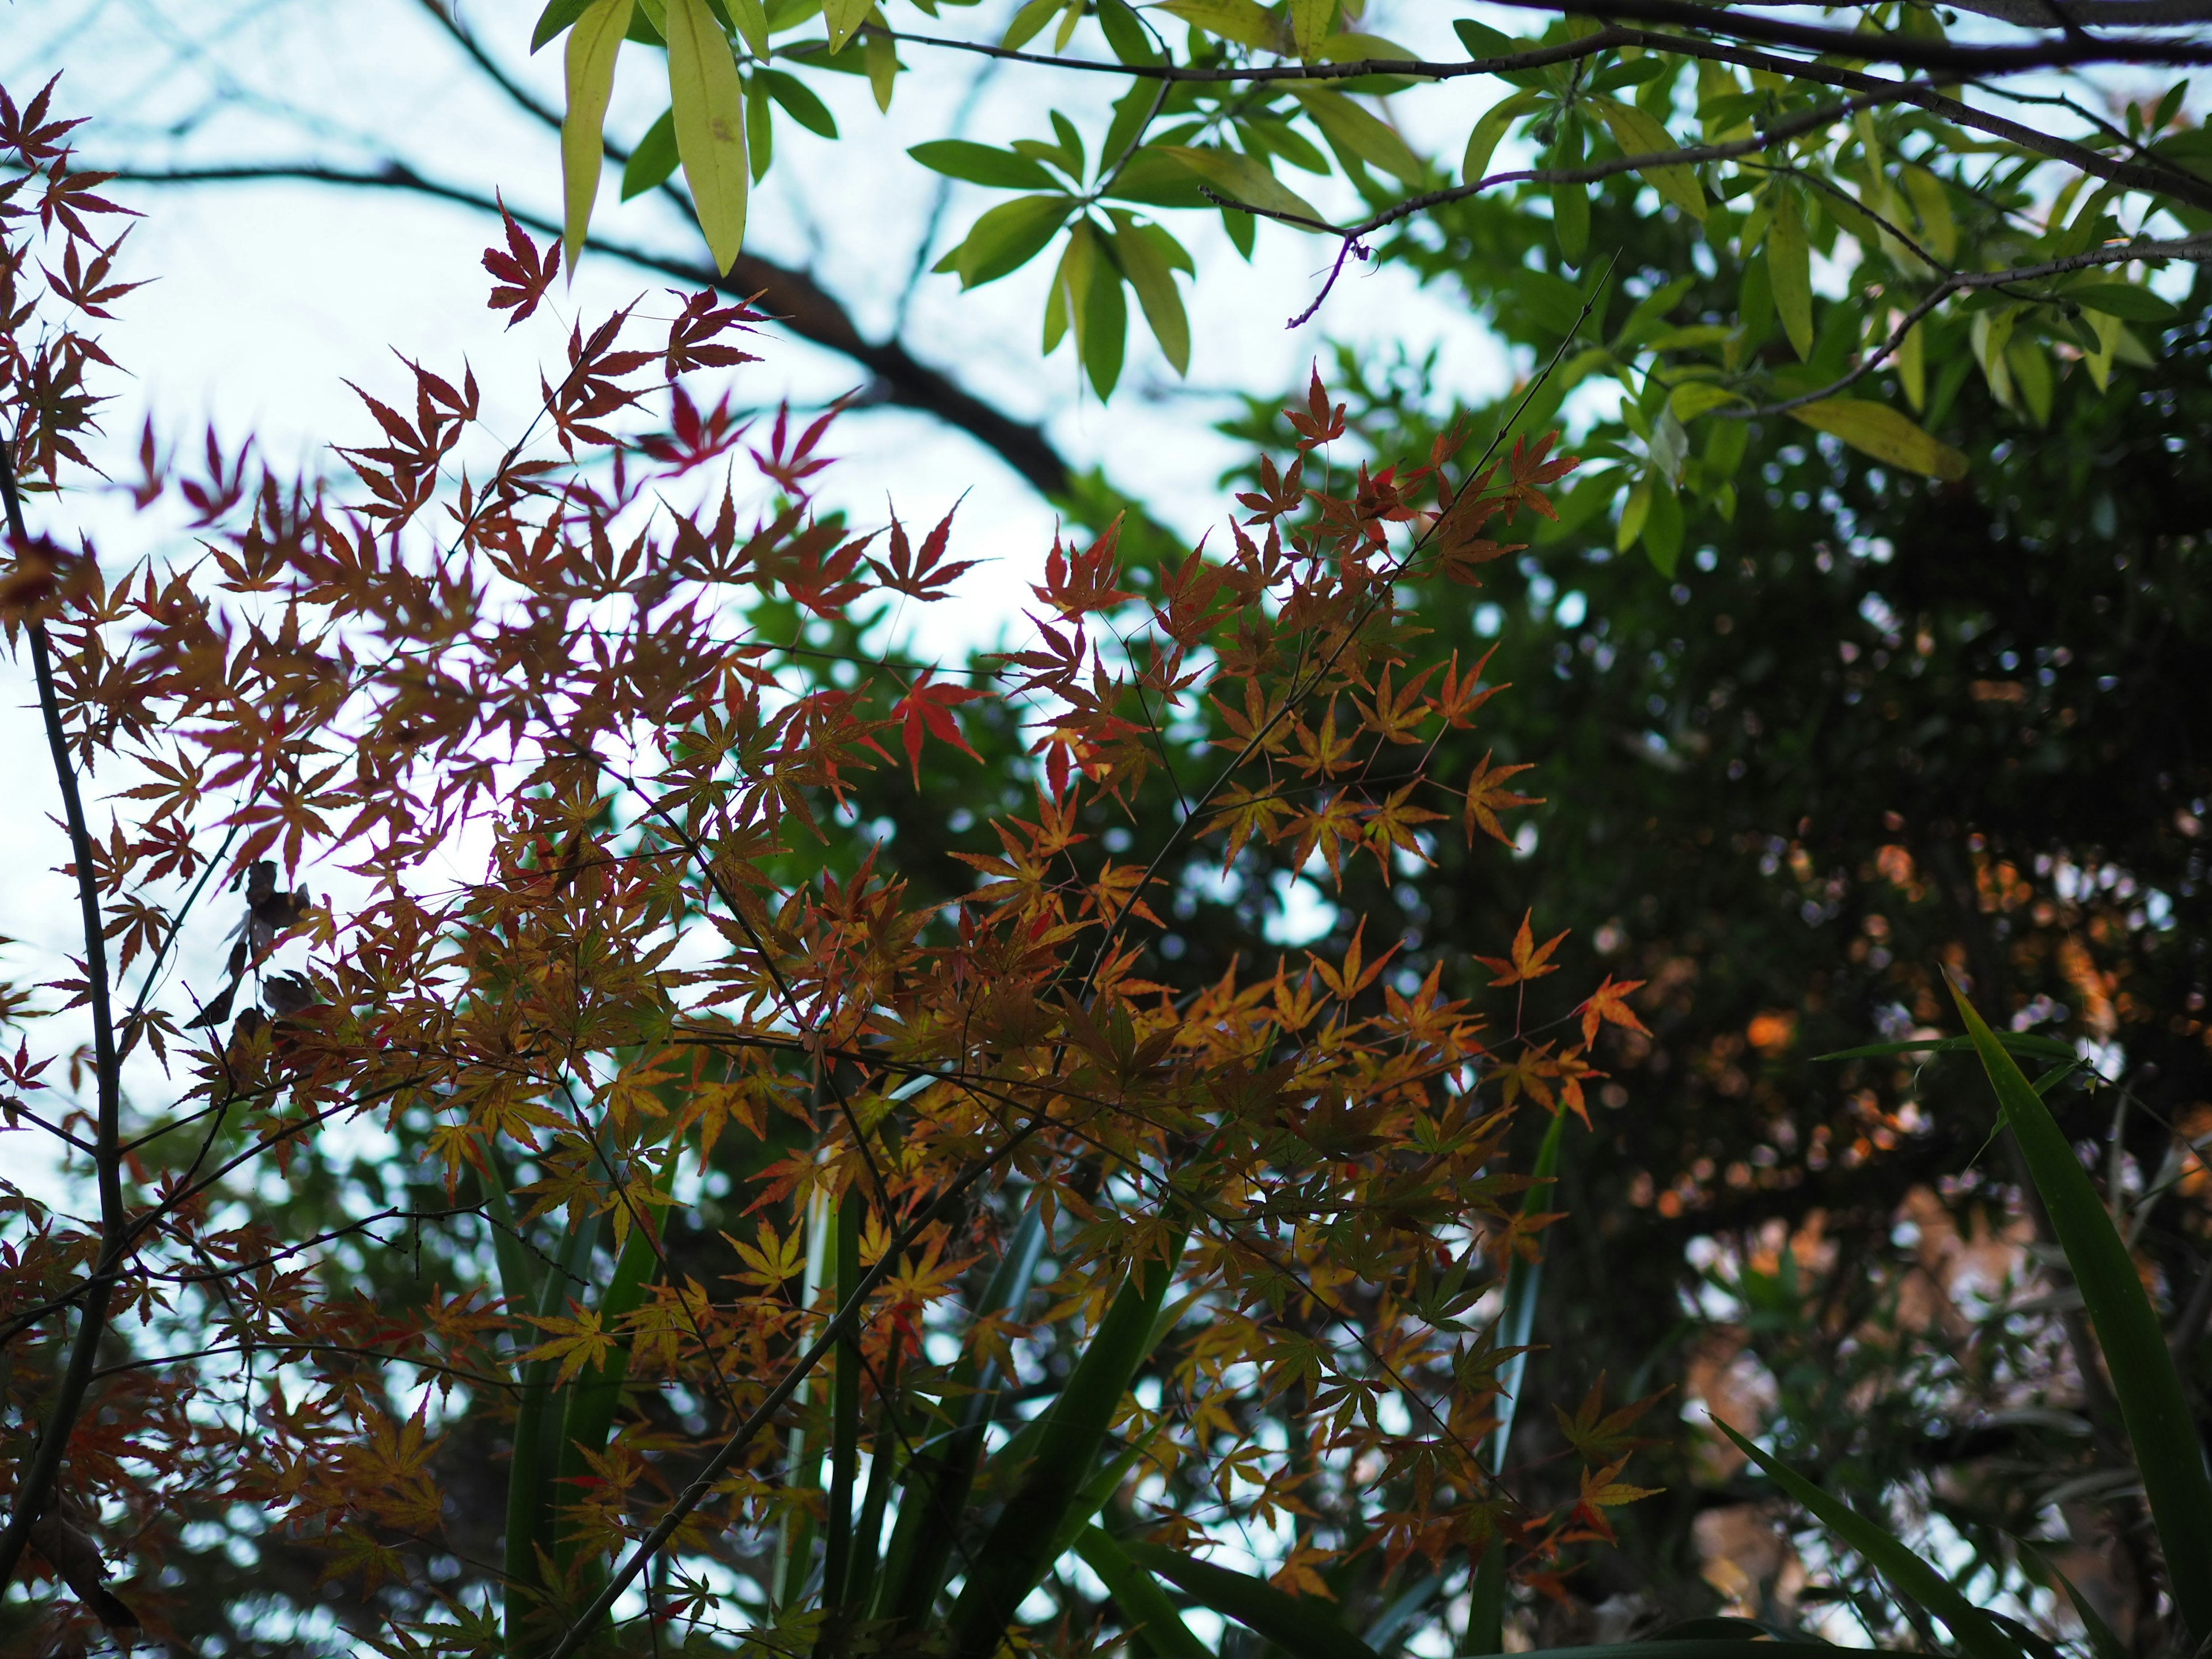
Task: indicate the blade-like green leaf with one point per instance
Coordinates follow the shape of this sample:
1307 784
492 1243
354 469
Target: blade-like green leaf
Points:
1640 134
1303 1627
1524 1279
1021 1542
844 1410
1007 237
1483 141
709 103
1906 1573
797 98
593 42
844 17
1155 1626
1145 264
558 15
2153 1403
589 1413
937 1484
1243 178
536 1454
1354 131
2103 1642
2019 1042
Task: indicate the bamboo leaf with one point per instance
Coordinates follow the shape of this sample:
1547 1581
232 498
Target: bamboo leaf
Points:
594 41
1019 1546
709 106
1883 433
2153 1403
1906 1573
1305 1629
654 160
750 17
982 164
1146 1613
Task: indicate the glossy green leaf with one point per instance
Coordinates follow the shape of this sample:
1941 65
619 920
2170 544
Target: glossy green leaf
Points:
1694 397
709 106
1571 204
1244 21
982 164
2153 1404
1303 1628
881 52
1145 264
844 19
1154 1625
654 160
555 19
1904 1570
1483 142
799 101
1789 267
593 44
2124 301
1883 433
1640 134
750 19
1126 38
1007 237
2019 1042
1310 22
1027 22
1243 178
1352 130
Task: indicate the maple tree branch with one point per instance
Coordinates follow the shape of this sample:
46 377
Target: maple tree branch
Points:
791 297
2197 249
36 1482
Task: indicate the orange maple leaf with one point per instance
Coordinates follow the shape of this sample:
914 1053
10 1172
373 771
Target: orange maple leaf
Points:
1609 1002
1530 960
1486 795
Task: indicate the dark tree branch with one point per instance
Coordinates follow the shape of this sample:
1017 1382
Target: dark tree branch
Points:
792 297
36 1484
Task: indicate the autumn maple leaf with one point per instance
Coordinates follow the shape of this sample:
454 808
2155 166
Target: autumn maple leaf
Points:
522 275
929 707
1487 795
1609 1002
1530 961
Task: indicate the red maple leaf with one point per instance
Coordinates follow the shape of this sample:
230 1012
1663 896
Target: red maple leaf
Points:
929 707
521 275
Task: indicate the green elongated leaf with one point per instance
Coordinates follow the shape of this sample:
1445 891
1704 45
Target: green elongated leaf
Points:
1516 1318
1570 209
750 19
654 160
1156 180
1695 398
1243 178
1145 264
799 101
1306 1628
1155 1625
881 54
1245 21
2019 1042
1493 127
943 1473
594 41
1028 20
2104 1643
518 1279
2153 1403
1019 1546
760 128
1790 266
1351 129
1640 134
709 106
536 1455
1933 202
2124 301
1906 1573
844 1410
982 164
1127 39
1662 529
1007 237
844 18
1310 22
558 16
1883 433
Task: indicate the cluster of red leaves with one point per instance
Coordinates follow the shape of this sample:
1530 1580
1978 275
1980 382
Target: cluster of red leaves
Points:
634 989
